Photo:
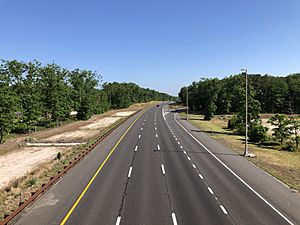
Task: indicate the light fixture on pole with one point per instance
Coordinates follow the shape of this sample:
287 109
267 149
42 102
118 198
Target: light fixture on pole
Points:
246 150
187 102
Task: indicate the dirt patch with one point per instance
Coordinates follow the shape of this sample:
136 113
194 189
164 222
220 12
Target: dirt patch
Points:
101 123
18 164
127 113
270 127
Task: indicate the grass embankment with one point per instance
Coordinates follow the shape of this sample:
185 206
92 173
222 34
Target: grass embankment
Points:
20 190
281 164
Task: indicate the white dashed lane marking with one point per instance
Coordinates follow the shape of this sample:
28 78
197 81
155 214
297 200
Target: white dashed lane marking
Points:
163 169
210 190
223 209
118 220
129 172
174 219
136 147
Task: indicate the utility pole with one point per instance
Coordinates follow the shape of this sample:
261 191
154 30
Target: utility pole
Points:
187 102
246 151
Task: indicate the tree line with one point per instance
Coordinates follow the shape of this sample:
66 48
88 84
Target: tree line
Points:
33 95
222 96
266 94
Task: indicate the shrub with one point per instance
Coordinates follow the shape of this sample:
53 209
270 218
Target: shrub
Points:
257 132
291 147
58 156
232 123
31 182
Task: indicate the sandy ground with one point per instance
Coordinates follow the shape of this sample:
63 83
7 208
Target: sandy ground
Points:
25 156
83 132
127 113
101 123
18 164
268 125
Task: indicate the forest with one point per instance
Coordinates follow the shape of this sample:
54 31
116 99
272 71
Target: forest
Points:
266 94
35 96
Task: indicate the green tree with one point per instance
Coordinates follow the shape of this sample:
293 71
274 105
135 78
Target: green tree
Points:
294 128
257 132
83 84
55 93
8 101
281 131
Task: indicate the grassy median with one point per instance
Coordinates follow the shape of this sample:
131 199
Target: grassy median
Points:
281 164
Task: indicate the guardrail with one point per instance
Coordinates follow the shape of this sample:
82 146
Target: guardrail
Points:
52 180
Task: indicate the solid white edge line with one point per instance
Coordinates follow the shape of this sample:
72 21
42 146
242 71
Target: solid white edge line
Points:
174 219
136 147
163 169
158 148
129 172
210 190
223 209
118 220
240 179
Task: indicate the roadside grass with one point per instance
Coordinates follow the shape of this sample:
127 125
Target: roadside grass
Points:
19 190
283 165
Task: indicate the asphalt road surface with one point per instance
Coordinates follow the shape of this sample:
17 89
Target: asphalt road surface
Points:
157 169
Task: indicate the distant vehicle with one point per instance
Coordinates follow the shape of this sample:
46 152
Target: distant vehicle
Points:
157 105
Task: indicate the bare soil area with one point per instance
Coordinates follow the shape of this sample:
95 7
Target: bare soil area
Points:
16 165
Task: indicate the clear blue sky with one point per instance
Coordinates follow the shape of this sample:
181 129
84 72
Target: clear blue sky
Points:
160 44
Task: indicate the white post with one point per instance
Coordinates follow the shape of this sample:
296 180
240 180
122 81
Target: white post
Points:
187 102
246 152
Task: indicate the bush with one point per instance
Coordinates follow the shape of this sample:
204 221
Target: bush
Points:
58 156
232 123
291 147
31 182
257 133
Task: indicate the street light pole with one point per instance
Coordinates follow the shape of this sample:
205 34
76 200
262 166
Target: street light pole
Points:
187 102
246 151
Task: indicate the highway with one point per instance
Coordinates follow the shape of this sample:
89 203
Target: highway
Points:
157 169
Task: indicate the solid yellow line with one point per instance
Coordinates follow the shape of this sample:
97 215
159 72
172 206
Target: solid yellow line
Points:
95 175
